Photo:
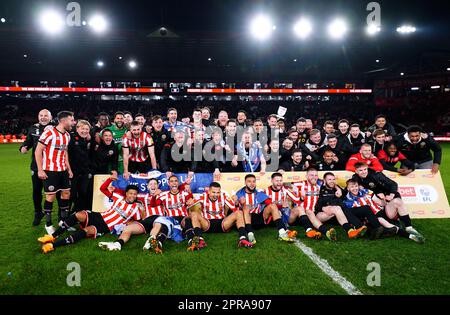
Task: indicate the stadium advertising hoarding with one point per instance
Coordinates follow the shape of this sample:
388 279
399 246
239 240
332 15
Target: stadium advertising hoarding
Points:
423 193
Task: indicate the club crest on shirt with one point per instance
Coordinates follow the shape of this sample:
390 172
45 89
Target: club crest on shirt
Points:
51 188
110 152
422 144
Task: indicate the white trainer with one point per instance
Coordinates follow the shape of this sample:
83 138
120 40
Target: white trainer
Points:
251 237
50 229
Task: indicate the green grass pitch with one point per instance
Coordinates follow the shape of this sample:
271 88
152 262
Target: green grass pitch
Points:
271 267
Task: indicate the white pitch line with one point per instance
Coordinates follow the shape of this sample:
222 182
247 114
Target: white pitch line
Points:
326 268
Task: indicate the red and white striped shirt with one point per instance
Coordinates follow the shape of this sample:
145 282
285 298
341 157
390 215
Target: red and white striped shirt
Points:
121 211
215 209
278 197
138 146
152 205
366 200
308 193
54 155
175 204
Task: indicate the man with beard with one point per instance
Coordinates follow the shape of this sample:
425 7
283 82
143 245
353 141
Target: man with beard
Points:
259 210
385 194
328 162
138 152
222 120
303 132
365 155
104 155
172 123
328 129
214 215
330 205
341 151
418 149
288 203
160 137
296 163
53 166
31 142
118 130
309 191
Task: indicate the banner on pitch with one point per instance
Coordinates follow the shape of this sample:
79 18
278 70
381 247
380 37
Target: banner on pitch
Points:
423 193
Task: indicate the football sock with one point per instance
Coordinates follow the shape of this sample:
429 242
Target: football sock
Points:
242 233
346 226
305 222
248 228
406 220
73 238
69 222
323 229
64 208
48 212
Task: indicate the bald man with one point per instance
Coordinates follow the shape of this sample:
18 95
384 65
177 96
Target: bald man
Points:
34 132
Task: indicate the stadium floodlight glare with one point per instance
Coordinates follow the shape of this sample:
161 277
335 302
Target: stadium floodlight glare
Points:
337 29
51 22
132 64
406 29
373 29
261 27
414 89
98 24
434 87
303 28
84 23
3 20
377 61
402 73
209 59
448 69
100 64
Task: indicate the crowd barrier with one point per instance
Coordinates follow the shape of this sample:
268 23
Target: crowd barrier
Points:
423 193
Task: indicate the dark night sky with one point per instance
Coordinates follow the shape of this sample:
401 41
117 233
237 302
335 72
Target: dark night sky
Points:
219 29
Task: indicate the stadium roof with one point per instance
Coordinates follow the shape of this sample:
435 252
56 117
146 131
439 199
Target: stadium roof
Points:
199 30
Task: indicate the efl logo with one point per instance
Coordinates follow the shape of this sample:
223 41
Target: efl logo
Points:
296 178
419 212
411 175
236 179
407 191
427 175
440 212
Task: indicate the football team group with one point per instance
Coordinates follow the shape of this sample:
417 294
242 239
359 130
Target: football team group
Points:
65 161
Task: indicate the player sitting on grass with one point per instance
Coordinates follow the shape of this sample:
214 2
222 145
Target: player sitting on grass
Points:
259 210
330 205
308 191
385 195
358 198
152 222
124 208
212 215
282 197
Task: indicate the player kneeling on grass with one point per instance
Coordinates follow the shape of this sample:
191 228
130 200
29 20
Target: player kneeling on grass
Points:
385 195
259 210
153 223
330 205
124 208
213 216
283 198
360 198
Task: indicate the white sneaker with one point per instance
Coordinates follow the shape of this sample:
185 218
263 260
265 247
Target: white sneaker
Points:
147 244
50 229
111 246
71 229
251 238
412 230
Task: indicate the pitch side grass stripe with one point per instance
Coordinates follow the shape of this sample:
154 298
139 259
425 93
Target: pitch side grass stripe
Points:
327 269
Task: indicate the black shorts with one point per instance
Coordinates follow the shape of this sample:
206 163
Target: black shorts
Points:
147 223
258 220
215 226
56 181
139 167
95 219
